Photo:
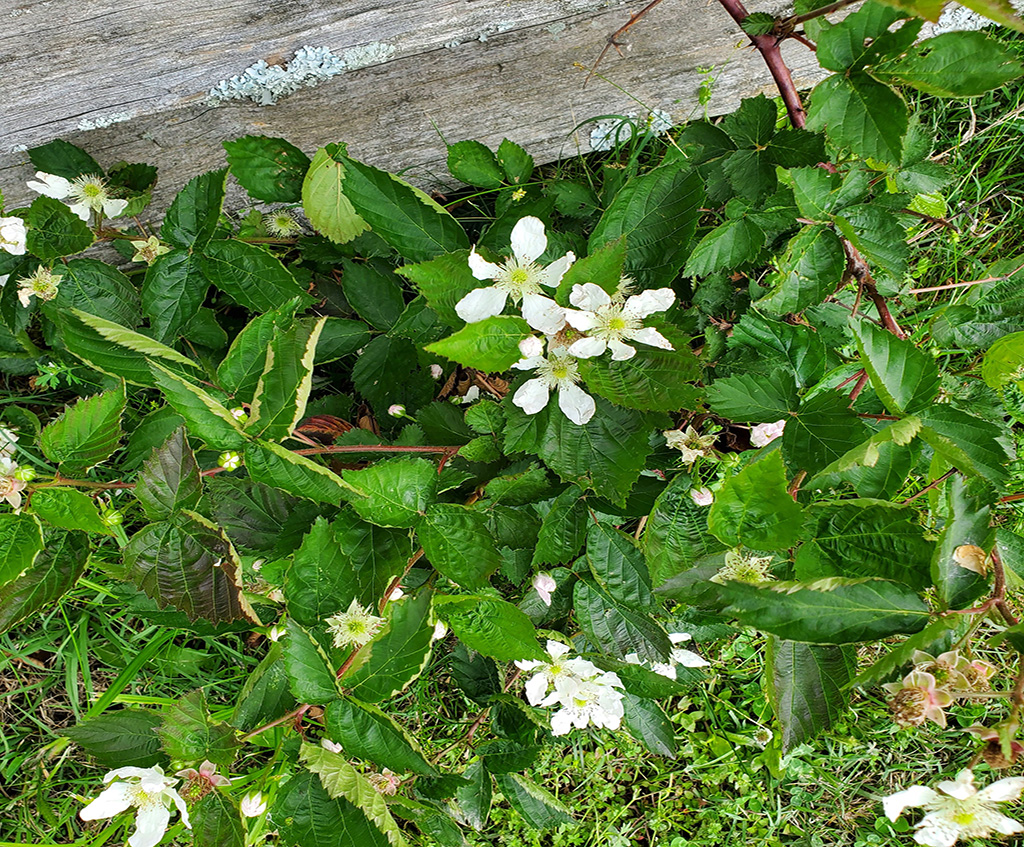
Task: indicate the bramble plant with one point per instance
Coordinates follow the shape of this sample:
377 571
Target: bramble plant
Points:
335 431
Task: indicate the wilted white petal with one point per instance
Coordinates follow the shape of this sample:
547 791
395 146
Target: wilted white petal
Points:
553 273
532 396
578 406
1006 826
620 351
481 303
589 297
1003 790
652 338
543 313
481 268
916 795
648 302
112 801
528 239
587 348
151 824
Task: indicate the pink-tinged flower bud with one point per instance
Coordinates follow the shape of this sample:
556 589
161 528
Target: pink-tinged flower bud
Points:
544 584
702 496
766 433
436 371
333 746
397 410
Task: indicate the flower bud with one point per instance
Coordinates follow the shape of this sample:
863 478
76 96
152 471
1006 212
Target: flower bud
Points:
230 460
112 517
239 414
436 372
397 410
253 805
25 474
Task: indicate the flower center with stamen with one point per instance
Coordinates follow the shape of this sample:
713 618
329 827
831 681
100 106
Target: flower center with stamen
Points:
91 190
518 279
613 324
559 370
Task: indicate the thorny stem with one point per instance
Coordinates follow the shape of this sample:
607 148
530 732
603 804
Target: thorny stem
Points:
788 24
294 714
862 380
930 486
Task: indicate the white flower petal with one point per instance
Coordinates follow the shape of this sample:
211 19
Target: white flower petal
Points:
151 825
587 348
689 659
580 320
651 337
561 722
82 210
528 239
648 302
620 351
916 795
553 273
937 834
50 185
532 347
543 313
112 801
113 208
556 649
142 773
576 404
1007 826
481 303
961 788
536 687
1003 790
528 364
589 297
481 268
679 637
532 396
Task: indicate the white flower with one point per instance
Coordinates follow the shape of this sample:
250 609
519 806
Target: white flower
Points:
10 485
397 594
8 443
436 371
678 656
230 460
956 809
253 805
544 584
690 443
520 278
607 320
766 433
354 627
596 701
43 284
148 790
557 370
702 496
332 746
440 631
89 194
549 673
12 236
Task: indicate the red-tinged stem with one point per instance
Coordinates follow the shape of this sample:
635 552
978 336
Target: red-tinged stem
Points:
796 20
373 448
930 486
295 714
862 380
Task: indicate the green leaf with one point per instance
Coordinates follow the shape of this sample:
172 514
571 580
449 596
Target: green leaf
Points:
607 453
217 822
394 492
648 724
657 213
406 218
344 560
969 514
283 389
515 161
490 345
902 654
86 433
520 489
797 349
67 508
749 398
444 281
457 543
474 164
954 64
810 269
55 571
54 230
399 655
676 534
905 377
539 808
279 467
190 565
728 246
862 114
753 508
206 418
305 815
240 371
975 446
821 432
21 540
120 738
324 200
269 169
253 277
373 292
617 629
340 337
603 267
491 627
63 158
474 800
878 234
172 292
192 218
265 695
866 539
190 735
806 687
828 611
95 287
619 567
367 733
1004 361
563 529
341 780
169 480
388 372
311 676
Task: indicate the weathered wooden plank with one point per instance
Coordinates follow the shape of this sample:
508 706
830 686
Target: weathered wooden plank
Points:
451 69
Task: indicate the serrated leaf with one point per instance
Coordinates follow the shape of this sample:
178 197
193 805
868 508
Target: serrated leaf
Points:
367 733
954 64
676 534
173 290
120 738
474 800
810 269
749 398
206 418
728 246
54 230
169 479
491 627
373 291
394 492
54 571
240 371
490 345
474 164
266 695
277 466
269 169
905 378
192 218
217 822
457 543
828 611
617 629
305 815
190 735
21 540
862 114
1004 361
648 724
563 529
86 433
619 567
968 518
311 676
388 372
444 281
324 200
754 508
253 277
539 808
67 508
807 687
63 158
97 288
191 565
515 161
903 653
823 430
975 446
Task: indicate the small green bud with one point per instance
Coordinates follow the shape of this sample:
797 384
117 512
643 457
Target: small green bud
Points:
112 517
230 460
24 474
